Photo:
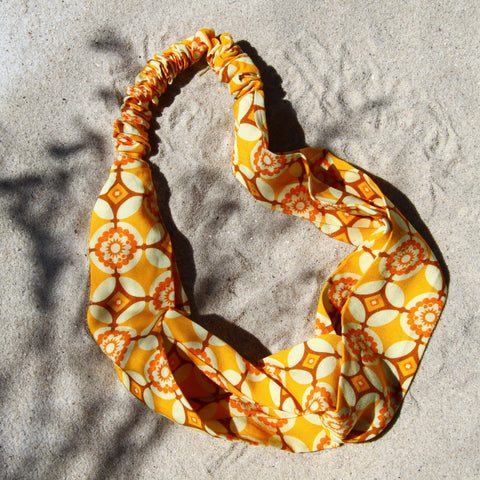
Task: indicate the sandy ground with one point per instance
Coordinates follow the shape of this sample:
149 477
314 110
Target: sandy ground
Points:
392 87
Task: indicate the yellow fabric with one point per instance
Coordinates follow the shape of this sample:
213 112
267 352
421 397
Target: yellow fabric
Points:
375 314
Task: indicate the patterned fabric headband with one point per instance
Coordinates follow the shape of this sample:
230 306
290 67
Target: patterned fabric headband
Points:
375 314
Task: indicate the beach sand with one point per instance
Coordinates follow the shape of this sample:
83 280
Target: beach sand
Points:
391 87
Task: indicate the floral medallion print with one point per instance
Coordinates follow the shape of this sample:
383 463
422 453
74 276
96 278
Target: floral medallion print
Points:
318 400
424 315
116 247
243 408
363 345
386 410
297 202
339 423
268 164
164 296
272 370
324 441
340 290
270 422
253 373
159 374
323 326
115 344
206 355
405 258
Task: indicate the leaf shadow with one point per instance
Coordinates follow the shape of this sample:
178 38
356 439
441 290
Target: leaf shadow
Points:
34 218
108 41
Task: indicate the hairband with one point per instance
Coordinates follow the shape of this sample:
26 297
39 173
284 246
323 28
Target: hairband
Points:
375 314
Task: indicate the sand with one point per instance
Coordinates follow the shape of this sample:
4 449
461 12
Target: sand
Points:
391 87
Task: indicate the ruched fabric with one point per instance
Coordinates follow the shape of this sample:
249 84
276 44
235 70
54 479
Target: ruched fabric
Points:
375 314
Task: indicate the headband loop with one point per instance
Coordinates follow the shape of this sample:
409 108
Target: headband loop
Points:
375 314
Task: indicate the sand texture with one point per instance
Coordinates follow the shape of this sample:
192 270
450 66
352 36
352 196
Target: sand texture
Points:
392 87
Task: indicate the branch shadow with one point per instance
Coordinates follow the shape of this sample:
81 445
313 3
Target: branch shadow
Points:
44 255
109 42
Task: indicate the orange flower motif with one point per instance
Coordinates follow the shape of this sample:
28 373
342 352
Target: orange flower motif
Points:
152 205
267 163
287 400
321 328
272 371
405 258
164 295
252 369
214 377
202 354
244 408
271 422
323 443
387 412
116 247
362 345
339 424
340 291
298 202
123 160
423 316
115 344
160 375
318 400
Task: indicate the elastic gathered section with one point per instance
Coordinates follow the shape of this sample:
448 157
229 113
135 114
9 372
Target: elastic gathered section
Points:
131 129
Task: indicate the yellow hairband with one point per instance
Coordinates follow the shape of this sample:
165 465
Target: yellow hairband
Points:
375 314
